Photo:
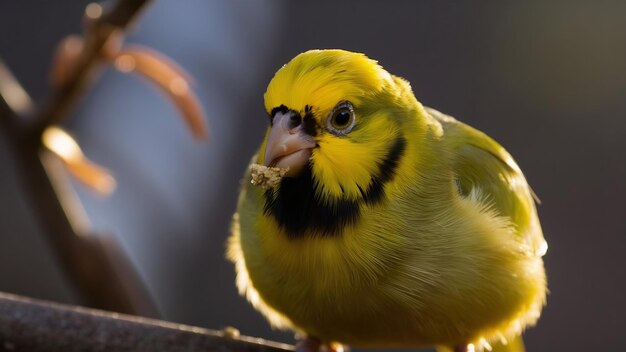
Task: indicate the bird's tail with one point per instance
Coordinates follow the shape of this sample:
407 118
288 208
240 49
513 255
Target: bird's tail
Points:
515 344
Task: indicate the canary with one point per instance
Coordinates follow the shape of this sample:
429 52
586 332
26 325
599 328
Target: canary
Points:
391 224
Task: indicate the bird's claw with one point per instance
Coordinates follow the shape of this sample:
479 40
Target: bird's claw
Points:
312 344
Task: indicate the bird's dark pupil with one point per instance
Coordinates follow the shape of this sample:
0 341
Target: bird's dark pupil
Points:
342 118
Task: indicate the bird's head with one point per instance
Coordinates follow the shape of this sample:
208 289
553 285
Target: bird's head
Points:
341 124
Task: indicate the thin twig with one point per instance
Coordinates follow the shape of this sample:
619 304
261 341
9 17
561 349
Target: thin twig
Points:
14 101
101 273
99 34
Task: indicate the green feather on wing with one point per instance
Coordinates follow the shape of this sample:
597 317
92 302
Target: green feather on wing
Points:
483 165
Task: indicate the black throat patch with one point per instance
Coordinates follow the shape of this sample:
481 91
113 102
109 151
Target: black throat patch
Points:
297 210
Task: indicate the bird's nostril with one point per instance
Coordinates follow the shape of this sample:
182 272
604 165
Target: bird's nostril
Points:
294 121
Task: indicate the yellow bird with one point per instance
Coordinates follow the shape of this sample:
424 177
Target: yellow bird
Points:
394 226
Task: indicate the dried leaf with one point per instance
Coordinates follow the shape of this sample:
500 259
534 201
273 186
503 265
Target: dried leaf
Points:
92 175
169 78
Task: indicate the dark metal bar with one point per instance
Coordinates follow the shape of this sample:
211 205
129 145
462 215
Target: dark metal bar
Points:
32 325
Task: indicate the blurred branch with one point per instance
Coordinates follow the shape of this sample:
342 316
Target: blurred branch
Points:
96 266
32 325
104 30
171 79
14 101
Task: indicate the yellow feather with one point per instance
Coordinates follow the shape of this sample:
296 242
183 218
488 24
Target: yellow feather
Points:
308 81
425 264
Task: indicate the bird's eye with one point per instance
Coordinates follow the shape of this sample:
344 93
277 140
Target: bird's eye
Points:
341 119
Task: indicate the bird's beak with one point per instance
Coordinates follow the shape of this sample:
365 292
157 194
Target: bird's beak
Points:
288 146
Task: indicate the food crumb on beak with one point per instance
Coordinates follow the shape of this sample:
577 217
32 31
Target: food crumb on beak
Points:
266 177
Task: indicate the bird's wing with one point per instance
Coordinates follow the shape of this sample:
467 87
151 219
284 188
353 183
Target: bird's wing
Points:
486 171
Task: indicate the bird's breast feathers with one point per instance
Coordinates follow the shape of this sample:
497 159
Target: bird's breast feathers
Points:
449 266
398 225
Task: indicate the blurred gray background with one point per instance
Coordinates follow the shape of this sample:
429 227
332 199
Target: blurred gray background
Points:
548 81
